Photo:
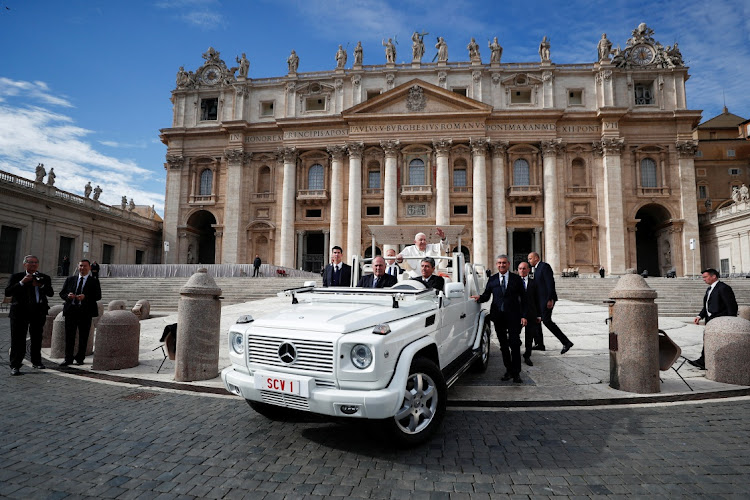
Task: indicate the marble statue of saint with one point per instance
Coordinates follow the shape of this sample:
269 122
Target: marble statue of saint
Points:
497 51
358 54
293 62
182 77
442 48
244 65
131 205
341 58
51 177
40 172
544 50
744 195
97 192
604 48
124 202
473 49
736 194
87 189
417 46
390 51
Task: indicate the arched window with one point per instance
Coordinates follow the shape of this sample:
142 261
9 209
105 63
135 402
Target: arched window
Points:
582 249
578 173
315 177
207 178
521 172
264 180
373 175
648 173
416 173
459 173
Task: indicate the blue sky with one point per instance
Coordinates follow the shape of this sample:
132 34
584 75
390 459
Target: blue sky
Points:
85 84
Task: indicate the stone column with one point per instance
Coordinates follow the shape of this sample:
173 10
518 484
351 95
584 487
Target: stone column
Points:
326 247
288 206
613 207
442 182
509 249
390 186
479 199
233 207
538 240
174 166
551 205
686 164
300 249
499 242
354 212
337 194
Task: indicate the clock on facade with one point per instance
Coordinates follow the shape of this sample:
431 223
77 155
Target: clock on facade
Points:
642 55
211 75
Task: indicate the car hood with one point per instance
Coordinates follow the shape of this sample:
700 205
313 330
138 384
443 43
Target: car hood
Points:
340 317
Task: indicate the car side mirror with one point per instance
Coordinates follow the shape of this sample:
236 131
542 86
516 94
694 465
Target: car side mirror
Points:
454 290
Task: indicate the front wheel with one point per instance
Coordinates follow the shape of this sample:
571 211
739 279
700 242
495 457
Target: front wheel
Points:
483 361
423 406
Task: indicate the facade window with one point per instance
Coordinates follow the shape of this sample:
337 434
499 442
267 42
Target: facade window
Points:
730 153
702 192
724 267
372 211
266 108
315 104
313 213
735 171
108 252
417 172
139 256
264 180
523 210
643 94
459 177
578 173
648 173
315 177
460 210
575 97
520 97
207 179
460 91
373 179
699 154
521 172
210 109
372 93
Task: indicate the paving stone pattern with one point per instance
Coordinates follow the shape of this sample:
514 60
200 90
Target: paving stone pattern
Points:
67 437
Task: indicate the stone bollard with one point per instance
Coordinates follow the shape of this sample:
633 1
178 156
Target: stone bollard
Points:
57 343
117 341
142 309
92 330
744 312
48 325
198 322
634 337
117 305
726 342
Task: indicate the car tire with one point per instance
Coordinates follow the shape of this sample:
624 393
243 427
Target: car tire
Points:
483 361
423 406
271 412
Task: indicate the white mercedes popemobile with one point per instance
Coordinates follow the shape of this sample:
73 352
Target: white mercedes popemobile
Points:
385 354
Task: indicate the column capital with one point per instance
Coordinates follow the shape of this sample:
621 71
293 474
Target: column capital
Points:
478 146
288 154
442 146
686 149
596 148
612 146
552 148
236 155
241 90
336 152
355 149
300 232
175 162
498 148
391 148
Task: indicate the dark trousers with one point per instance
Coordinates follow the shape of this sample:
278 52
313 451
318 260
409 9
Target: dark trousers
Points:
509 336
18 329
256 271
552 327
530 335
76 321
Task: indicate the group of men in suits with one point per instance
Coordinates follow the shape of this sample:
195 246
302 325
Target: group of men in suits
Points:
719 300
29 290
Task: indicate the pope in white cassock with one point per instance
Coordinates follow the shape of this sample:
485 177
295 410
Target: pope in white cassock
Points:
413 254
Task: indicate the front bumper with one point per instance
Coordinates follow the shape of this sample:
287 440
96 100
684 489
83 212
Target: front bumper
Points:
372 404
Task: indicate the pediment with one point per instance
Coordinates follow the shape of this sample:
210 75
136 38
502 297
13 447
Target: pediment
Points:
417 97
521 80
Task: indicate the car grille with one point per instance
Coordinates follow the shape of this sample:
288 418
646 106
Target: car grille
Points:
287 400
312 356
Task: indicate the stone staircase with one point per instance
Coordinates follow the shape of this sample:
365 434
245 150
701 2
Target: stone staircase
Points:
164 293
676 297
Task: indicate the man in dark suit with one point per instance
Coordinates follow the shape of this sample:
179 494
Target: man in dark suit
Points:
508 313
378 278
337 273
547 296
256 266
392 266
533 318
28 312
718 301
428 279
80 294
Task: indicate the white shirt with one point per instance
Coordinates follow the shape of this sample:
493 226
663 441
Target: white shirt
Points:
711 289
413 255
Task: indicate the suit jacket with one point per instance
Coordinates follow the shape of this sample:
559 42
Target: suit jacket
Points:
721 302
385 281
434 281
256 262
92 292
513 300
24 298
398 268
545 285
532 304
345 278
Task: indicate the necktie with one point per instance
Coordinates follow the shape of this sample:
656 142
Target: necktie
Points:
374 281
336 275
524 283
79 288
503 282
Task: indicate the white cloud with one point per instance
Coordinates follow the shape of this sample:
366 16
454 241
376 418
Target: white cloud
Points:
36 90
199 13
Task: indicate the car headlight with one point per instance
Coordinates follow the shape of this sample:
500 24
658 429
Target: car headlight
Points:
361 356
237 343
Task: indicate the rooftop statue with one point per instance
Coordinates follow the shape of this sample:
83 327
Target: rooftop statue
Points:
341 58
97 192
244 65
417 46
604 48
473 49
442 48
293 62
87 189
124 202
496 51
390 51
51 177
358 54
544 50
40 172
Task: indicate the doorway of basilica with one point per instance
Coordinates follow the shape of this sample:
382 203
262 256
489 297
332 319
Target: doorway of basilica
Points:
313 254
522 246
653 240
202 236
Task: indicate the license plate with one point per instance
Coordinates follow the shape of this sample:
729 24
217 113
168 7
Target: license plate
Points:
285 384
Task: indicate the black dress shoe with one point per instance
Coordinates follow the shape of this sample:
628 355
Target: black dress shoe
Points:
507 376
528 361
517 379
65 363
40 366
566 348
698 363
14 372
538 348
79 363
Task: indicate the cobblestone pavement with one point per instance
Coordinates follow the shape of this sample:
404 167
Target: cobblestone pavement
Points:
64 436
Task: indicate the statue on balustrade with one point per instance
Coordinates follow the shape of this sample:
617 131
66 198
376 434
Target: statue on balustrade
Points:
244 65
390 51
473 49
97 192
442 48
358 54
87 189
544 50
417 46
341 58
604 48
51 177
497 51
40 172
293 62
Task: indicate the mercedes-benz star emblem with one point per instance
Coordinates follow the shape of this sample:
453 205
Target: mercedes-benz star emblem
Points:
287 353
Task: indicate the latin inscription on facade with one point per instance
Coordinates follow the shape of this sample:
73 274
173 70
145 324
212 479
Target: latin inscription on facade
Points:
263 138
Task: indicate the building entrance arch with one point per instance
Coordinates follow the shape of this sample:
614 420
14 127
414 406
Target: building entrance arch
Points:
653 240
201 238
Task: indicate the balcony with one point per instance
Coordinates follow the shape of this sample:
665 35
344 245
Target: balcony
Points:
416 193
580 190
374 192
651 192
267 197
197 199
530 192
461 190
312 196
